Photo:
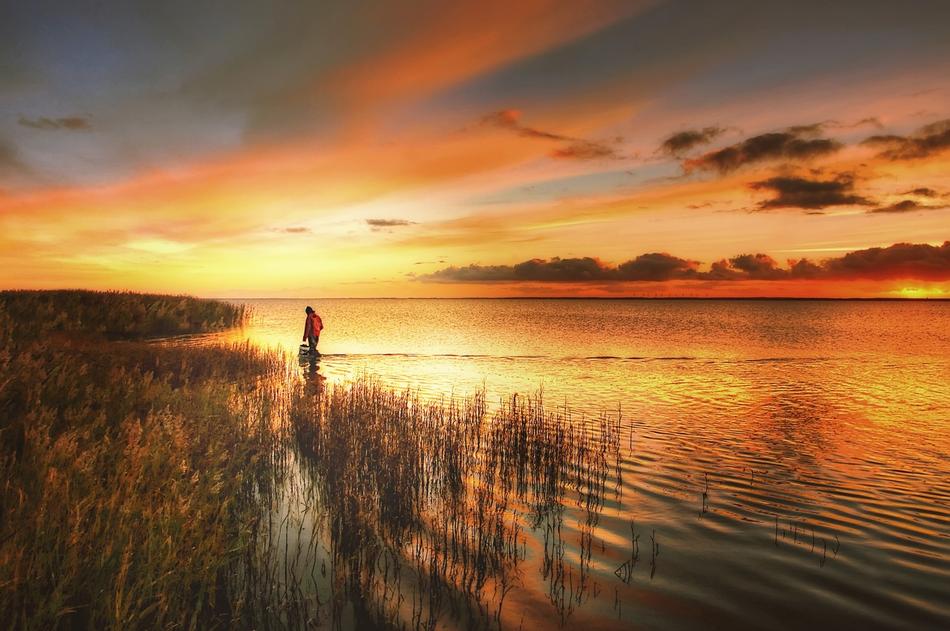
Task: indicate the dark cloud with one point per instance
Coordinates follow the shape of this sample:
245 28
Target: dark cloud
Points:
761 267
922 192
557 270
379 224
657 266
584 150
648 267
797 192
575 149
919 261
757 266
296 230
803 268
901 260
906 206
682 142
473 274
927 141
69 123
795 143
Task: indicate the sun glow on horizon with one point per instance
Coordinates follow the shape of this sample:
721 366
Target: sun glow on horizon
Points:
924 292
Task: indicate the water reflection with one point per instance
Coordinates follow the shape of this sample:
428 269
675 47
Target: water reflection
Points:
430 514
315 381
768 454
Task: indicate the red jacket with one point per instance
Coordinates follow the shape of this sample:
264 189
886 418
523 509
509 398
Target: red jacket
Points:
313 326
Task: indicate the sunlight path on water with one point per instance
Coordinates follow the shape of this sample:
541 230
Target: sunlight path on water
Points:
790 458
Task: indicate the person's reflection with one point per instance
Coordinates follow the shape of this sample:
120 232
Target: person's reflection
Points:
315 380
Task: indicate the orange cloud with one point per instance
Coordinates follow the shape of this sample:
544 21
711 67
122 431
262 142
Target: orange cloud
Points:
244 221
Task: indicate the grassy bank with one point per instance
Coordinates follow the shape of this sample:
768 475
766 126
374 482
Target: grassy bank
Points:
132 472
31 315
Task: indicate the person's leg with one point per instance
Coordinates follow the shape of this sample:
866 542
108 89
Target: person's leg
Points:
316 340
313 343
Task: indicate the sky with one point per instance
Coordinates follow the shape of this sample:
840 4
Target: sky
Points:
477 148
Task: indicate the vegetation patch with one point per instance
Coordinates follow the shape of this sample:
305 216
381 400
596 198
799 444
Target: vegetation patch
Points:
159 485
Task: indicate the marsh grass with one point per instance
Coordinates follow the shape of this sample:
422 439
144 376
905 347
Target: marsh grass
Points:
164 486
427 502
129 490
132 473
64 314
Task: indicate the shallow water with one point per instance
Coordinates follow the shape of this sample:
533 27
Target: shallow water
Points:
817 430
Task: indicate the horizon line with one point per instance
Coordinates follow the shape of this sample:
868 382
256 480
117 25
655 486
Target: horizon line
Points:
813 298
940 298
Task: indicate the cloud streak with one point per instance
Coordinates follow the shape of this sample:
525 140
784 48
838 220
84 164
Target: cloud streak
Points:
574 149
906 206
795 143
927 141
67 123
898 261
922 191
510 119
386 224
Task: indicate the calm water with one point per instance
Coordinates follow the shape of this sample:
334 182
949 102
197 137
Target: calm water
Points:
818 430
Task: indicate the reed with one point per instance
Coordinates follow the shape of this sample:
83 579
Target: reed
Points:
132 473
65 314
436 489
157 486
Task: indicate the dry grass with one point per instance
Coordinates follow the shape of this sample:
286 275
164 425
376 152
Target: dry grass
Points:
132 472
31 315
156 486
426 502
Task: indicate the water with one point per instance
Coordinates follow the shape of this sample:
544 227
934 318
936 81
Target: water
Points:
817 430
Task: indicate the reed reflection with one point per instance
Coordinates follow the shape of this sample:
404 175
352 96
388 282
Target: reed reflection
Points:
747 446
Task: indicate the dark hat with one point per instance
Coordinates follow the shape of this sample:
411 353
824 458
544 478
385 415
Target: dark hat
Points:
309 309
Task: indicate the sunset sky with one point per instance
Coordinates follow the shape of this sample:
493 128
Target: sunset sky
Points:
527 147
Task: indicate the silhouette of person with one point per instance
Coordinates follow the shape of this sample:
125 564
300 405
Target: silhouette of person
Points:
311 330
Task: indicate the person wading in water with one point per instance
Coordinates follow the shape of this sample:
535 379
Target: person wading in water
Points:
311 330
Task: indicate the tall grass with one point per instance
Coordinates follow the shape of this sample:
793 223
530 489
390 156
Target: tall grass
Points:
130 487
132 473
161 486
114 315
425 501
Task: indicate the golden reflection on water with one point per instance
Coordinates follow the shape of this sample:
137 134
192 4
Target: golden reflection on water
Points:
783 452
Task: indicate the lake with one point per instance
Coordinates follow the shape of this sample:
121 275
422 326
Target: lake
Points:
790 457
